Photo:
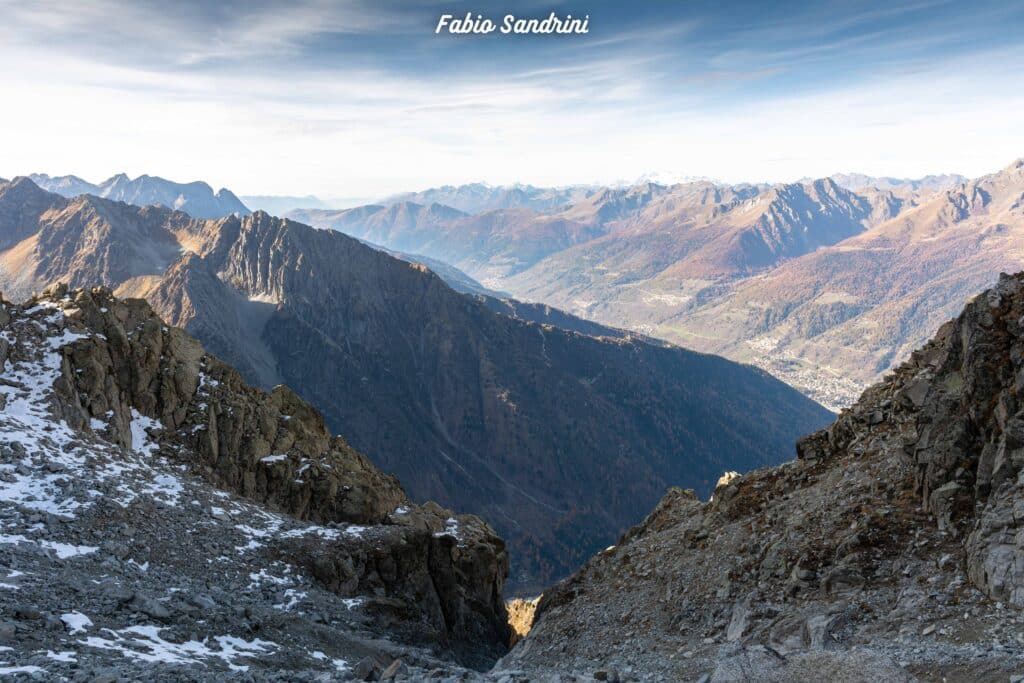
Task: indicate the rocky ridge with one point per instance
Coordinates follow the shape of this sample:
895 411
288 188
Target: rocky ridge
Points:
891 549
159 515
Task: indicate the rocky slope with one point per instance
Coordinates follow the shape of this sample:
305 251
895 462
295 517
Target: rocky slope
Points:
161 519
560 440
891 549
196 199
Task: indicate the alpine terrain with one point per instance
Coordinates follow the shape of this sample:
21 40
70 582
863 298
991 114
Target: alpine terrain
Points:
558 439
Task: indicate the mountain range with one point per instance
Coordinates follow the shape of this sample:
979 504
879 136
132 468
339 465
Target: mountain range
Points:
759 273
480 197
558 438
858 181
279 205
890 549
196 199
826 283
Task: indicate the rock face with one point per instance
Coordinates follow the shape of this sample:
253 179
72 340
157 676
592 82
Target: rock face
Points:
890 549
956 408
107 376
246 440
520 616
560 440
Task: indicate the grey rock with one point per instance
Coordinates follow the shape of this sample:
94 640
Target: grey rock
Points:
366 670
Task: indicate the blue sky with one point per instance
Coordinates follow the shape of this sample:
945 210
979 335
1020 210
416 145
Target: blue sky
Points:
360 99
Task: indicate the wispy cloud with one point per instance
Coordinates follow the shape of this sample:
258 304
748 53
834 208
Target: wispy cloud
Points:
359 97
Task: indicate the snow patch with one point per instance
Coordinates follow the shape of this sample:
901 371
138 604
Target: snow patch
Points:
76 622
68 656
141 441
145 644
11 670
451 529
339 664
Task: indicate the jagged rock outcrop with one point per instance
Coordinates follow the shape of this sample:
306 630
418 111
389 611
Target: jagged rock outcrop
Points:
957 410
890 549
270 447
121 376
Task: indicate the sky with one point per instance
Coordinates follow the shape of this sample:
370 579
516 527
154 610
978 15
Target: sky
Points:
360 98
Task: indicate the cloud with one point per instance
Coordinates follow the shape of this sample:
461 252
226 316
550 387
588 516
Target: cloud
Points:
359 98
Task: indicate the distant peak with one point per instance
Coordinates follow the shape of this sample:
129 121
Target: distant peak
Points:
827 185
24 184
21 181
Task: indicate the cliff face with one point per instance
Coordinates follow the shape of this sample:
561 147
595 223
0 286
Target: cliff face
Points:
892 548
558 439
108 379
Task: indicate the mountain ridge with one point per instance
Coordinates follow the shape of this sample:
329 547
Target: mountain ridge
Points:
196 198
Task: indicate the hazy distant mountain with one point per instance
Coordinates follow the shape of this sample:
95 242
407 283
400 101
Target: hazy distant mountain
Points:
929 183
68 185
499 302
560 439
489 245
686 237
196 199
822 286
620 235
453 277
480 197
279 205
